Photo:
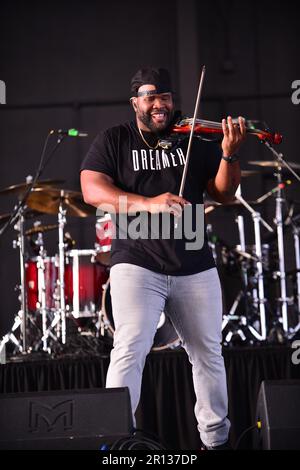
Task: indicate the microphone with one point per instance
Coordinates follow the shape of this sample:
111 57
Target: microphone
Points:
72 133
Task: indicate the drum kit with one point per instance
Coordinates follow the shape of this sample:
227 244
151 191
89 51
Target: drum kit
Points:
261 310
73 286
70 288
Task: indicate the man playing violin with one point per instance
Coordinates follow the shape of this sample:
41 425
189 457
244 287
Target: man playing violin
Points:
128 172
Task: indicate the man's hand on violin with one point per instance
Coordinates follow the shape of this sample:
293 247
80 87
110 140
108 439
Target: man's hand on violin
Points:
234 135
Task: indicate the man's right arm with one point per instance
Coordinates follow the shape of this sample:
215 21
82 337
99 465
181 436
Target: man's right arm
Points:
98 189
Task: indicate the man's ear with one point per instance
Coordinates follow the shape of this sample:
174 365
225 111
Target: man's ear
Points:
133 102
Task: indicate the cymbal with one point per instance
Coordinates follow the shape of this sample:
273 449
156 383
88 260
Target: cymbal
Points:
22 187
28 214
246 173
274 164
47 200
41 229
209 206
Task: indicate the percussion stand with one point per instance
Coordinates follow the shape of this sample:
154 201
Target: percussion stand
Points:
59 319
231 315
211 241
21 317
61 256
283 300
279 224
257 220
241 230
296 231
42 290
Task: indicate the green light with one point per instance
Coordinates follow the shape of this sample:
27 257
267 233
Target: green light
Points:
73 132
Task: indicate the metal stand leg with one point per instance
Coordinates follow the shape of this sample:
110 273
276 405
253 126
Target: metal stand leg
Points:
279 223
61 248
257 219
20 320
42 297
297 258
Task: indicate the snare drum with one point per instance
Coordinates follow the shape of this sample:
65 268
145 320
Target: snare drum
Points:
84 280
36 277
165 337
104 235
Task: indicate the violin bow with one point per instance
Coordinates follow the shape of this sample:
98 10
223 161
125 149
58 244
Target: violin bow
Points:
188 152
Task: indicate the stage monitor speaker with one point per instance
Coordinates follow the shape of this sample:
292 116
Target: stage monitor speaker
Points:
74 419
278 410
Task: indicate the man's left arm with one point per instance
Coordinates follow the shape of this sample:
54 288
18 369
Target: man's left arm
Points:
223 186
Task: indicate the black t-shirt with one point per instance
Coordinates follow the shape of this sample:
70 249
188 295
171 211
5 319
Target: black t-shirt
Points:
135 168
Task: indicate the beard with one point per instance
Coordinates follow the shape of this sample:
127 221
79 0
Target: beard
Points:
157 128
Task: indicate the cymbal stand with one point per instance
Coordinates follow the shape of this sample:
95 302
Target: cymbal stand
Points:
42 289
296 236
59 319
257 220
61 256
21 317
283 300
279 223
296 231
242 324
241 230
211 241
228 319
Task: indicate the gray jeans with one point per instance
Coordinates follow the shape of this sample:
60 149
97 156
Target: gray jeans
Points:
194 305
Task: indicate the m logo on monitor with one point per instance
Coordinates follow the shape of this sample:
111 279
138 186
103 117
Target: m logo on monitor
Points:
2 92
51 416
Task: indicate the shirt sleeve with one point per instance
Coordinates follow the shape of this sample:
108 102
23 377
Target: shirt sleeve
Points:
101 156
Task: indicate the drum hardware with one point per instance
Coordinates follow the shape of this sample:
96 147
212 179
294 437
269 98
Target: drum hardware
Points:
241 230
296 231
61 271
38 228
260 298
253 284
17 214
42 289
235 205
27 193
212 241
20 320
84 279
61 202
278 164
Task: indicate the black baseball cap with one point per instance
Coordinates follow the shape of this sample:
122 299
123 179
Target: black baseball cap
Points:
158 77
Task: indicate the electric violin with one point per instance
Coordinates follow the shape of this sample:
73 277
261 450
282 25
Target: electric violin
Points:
207 128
